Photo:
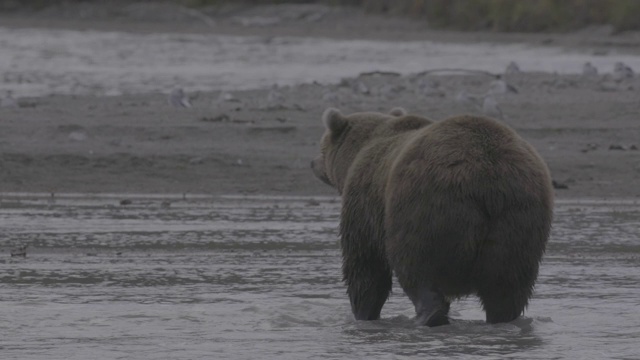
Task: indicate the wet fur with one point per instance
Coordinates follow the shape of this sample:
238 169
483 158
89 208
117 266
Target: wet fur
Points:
457 207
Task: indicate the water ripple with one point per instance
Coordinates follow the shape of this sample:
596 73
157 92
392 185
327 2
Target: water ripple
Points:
246 278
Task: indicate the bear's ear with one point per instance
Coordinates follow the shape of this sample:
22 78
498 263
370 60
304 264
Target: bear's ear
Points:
334 120
398 111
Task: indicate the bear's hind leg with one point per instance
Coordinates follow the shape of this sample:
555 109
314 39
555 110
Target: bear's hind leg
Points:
368 285
432 308
503 303
508 262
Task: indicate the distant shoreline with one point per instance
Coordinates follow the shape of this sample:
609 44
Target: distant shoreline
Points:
461 15
260 142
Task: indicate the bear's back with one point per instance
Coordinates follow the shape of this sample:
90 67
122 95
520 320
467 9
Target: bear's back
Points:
476 142
404 123
470 156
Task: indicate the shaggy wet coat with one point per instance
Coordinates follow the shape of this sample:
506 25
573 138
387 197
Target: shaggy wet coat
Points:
456 207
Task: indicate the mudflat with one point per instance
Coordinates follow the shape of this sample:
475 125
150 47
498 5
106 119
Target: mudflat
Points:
260 140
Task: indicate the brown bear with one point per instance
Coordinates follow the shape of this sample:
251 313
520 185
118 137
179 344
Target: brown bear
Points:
455 207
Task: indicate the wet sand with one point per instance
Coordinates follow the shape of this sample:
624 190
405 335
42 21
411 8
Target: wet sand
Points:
261 141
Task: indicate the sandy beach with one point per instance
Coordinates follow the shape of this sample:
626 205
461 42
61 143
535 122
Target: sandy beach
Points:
85 139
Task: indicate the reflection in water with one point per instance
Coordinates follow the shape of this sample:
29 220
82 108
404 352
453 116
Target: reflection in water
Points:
259 277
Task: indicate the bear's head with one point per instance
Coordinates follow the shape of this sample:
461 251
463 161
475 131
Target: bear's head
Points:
346 135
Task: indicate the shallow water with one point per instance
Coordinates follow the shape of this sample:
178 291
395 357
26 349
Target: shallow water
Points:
40 62
259 278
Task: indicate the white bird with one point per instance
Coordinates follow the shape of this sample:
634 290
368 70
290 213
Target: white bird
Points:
588 70
512 68
429 88
490 107
275 97
227 97
389 91
275 100
178 98
499 86
467 100
330 97
8 101
362 88
622 71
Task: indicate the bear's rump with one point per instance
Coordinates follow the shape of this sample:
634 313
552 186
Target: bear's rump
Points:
451 242
444 197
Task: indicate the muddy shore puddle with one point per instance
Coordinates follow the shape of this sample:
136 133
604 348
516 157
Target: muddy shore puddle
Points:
259 278
40 62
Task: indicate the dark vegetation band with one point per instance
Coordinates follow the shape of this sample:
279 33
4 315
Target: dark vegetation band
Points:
490 15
